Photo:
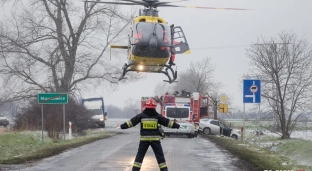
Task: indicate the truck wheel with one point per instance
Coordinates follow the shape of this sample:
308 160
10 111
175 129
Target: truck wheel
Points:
206 131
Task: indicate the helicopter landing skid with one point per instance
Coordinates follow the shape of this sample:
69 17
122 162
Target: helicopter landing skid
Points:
174 74
124 71
168 67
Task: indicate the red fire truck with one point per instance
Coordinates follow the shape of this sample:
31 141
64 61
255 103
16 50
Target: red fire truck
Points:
168 104
198 105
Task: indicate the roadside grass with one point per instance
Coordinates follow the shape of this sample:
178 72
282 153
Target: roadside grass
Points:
22 147
258 158
303 128
249 124
4 130
297 149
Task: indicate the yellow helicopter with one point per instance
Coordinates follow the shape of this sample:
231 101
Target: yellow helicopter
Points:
153 44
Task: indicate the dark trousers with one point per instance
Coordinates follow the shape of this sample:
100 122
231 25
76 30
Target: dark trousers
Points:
158 151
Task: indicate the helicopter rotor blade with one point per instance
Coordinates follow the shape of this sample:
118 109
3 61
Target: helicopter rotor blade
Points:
122 3
167 5
161 3
137 2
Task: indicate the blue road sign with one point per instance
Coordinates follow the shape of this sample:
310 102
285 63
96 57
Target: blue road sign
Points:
252 91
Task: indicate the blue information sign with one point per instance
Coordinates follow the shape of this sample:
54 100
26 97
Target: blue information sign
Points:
252 91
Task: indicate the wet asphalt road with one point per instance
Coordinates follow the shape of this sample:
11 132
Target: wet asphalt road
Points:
117 154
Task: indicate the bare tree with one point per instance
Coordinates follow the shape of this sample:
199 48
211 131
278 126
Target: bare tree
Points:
161 88
131 106
55 46
199 78
283 65
214 97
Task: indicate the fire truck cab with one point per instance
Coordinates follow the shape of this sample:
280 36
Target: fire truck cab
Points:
197 103
185 108
180 113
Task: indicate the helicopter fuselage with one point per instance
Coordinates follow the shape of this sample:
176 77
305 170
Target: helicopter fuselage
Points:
152 44
149 44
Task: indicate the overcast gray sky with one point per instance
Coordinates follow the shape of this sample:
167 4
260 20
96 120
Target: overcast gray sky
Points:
207 29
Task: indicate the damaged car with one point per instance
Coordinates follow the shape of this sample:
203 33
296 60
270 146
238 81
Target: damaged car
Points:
216 127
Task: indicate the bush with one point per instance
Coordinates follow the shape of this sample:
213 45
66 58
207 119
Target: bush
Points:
30 118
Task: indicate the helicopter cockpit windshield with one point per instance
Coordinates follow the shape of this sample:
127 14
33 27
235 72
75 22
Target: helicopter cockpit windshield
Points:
151 39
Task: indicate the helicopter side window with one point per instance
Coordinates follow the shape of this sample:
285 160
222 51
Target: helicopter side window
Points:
180 45
179 37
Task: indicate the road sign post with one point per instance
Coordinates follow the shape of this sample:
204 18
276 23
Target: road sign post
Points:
52 98
251 94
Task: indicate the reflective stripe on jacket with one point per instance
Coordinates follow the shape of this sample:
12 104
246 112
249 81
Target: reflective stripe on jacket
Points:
149 130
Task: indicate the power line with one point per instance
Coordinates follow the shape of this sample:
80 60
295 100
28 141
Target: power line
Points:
233 46
219 47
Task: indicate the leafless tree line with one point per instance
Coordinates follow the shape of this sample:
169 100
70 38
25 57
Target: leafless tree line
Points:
199 77
283 64
56 46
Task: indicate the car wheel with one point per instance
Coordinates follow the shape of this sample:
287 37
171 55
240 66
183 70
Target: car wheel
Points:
234 137
5 126
206 131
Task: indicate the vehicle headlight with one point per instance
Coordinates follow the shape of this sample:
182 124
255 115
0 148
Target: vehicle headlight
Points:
101 119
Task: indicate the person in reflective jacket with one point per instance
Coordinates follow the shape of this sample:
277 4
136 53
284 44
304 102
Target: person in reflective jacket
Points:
149 133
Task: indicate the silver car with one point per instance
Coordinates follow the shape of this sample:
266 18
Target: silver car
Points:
186 128
215 127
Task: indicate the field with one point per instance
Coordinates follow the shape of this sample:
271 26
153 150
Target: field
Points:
297 148
20 147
